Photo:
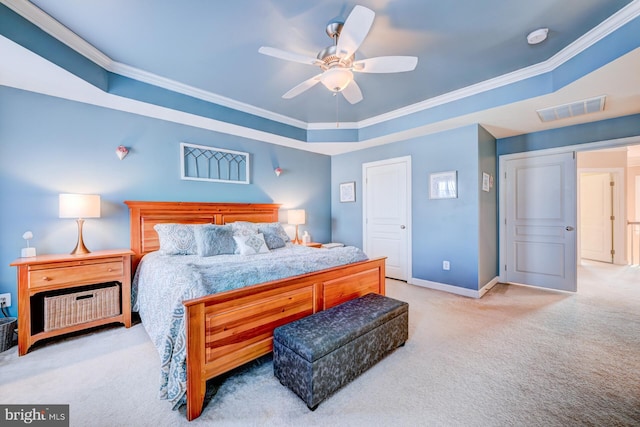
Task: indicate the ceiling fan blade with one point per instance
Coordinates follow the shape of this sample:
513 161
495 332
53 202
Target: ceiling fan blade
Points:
386 64
288 56
355 29
352 93
305 85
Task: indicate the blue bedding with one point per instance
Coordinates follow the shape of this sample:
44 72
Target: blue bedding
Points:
162 282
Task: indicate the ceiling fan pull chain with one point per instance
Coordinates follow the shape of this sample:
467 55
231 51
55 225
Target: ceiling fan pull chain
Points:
335 95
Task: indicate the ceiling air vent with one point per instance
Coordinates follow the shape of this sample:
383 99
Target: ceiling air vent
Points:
578 108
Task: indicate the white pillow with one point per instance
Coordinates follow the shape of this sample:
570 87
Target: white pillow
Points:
176 239
251 245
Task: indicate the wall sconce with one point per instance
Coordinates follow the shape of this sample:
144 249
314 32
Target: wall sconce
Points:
79 206
122 152
278 171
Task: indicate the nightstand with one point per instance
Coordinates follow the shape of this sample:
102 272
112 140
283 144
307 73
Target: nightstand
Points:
50 276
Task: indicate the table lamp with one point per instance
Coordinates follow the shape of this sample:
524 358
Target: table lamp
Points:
79 206
296 217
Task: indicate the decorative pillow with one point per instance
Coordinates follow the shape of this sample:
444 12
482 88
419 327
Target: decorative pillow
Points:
274 234
243 228
176 239
214 239
251 245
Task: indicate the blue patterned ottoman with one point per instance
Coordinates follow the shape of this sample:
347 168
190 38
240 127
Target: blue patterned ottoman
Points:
317 355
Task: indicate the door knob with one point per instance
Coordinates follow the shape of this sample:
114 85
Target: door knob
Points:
569 228
402 227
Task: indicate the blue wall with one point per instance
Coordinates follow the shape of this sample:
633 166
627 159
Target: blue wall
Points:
441 229
620 127
488 209
50 146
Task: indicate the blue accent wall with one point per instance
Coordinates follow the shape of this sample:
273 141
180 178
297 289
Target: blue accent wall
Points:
447 229
16 28
50 146
488 236
621 127
154 95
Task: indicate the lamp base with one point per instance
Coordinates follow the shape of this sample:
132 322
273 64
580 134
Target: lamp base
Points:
80 247
297 240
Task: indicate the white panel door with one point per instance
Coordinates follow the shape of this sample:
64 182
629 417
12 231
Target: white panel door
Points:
386 219
541 220
596 226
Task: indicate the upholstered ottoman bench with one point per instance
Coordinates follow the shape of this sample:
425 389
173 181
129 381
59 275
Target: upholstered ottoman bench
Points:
317 355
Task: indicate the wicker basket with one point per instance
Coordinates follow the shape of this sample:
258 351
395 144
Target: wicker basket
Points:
7 325
80 307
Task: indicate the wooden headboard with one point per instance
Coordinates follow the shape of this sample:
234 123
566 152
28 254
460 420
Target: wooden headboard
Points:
144 215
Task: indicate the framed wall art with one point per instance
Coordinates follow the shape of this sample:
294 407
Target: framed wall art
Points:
486 186
348 192
203 163
443 185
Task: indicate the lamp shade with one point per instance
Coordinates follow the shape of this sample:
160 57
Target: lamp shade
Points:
336 79
296 216
79 206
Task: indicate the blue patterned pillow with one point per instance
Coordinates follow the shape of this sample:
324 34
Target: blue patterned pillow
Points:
274 234
214 239
176 239
244 228
251 245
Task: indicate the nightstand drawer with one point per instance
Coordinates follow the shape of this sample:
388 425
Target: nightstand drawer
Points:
77 275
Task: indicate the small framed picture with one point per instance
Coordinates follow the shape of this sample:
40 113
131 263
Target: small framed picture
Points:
348 192
486 186
443 185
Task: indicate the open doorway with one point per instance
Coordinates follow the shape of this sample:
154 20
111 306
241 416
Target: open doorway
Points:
601 216
607 199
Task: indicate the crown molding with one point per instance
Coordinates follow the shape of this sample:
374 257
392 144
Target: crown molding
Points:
608 26
172 85
52 27
55 29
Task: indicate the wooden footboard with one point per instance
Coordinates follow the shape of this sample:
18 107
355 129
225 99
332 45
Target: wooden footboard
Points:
229 329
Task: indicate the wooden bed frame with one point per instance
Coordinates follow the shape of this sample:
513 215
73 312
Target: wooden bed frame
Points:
231 328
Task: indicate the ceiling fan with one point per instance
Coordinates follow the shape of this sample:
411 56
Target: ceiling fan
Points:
338 60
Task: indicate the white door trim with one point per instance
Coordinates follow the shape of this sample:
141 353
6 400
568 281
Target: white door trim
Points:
407 161
502 196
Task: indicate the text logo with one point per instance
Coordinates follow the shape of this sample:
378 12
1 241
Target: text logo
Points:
34 415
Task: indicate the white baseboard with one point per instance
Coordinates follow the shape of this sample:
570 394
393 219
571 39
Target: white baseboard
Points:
455 289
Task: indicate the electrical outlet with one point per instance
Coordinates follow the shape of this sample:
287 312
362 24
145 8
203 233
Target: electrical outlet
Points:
445 265
5 300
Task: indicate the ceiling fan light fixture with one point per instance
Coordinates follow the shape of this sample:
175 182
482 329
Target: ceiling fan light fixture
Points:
336 79
337 61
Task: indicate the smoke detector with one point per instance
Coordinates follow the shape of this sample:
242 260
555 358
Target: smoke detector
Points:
537 36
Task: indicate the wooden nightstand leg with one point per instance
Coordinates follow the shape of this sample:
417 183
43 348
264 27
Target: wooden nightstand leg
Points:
24 312
126 292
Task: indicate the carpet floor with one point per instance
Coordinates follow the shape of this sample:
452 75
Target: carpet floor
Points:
519 356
